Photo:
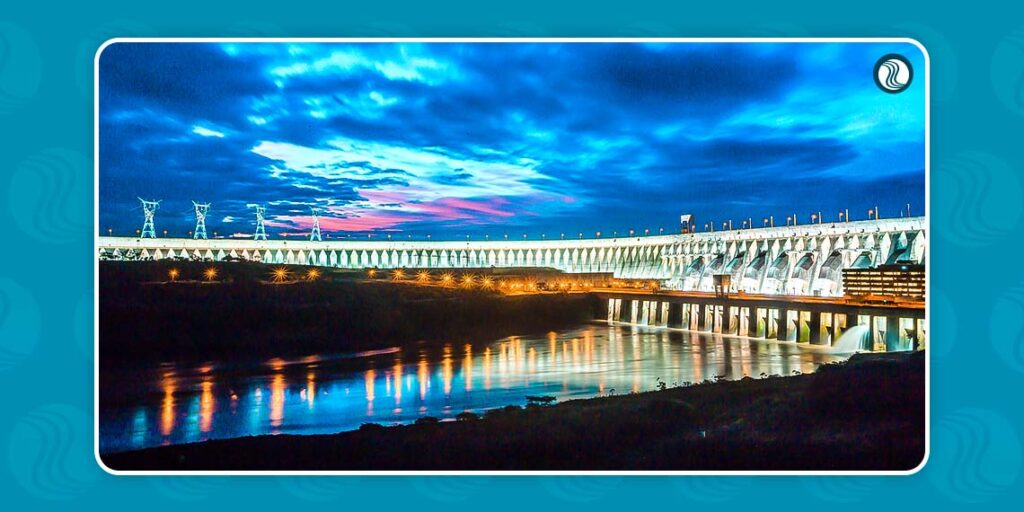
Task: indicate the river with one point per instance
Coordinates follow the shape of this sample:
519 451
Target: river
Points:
176 403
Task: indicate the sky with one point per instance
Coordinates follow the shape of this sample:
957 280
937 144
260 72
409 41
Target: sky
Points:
458 140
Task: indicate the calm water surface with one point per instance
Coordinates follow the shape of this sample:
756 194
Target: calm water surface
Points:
171 404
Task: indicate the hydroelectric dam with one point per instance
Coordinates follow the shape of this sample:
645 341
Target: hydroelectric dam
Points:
782 283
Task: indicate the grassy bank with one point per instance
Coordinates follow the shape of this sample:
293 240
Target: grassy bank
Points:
143 315
866 414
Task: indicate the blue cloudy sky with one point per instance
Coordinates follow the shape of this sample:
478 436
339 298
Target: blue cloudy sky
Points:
473 139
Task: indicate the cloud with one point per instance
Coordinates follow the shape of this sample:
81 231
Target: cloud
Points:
206 132
452 138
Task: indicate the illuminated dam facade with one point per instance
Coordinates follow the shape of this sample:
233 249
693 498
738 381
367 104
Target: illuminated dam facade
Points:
791 260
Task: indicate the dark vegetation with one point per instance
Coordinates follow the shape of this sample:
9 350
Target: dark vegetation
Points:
242 313
865 414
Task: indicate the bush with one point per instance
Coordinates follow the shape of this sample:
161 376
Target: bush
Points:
427 420
501 412
467 416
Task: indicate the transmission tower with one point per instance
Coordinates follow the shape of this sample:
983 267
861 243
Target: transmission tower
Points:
261 230
149 211
315 233
201 209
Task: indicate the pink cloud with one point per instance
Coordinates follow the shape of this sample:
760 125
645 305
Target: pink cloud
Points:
451 208
444 209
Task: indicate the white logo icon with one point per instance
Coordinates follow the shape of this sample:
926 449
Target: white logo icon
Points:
893 73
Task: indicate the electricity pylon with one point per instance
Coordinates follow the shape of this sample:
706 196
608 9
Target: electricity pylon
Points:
261 230
315 233
201 209
149 211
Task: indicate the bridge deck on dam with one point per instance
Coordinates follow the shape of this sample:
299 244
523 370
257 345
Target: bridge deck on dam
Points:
792 260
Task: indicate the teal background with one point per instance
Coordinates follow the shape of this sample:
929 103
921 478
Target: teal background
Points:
46 296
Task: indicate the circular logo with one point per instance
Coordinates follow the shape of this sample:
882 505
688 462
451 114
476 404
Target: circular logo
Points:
893 73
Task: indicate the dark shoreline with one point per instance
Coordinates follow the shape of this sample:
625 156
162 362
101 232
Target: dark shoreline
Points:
865 414
145 318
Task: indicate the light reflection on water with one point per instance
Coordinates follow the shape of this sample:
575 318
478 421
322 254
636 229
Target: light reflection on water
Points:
180 404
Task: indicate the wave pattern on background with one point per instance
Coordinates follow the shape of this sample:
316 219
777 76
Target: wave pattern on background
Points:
50 453
450 490
579 489
50 196
19 323
976 455
1008 71
842 490
254 28
185 488
20 67
942 324
82 326
1006 328
712 489
983 202
321 490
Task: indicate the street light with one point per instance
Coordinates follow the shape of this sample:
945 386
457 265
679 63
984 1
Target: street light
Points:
280 275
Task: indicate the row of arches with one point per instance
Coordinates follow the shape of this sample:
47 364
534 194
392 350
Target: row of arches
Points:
808 266
627 262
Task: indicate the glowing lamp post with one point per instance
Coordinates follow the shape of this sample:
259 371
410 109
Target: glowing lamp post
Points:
280 275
